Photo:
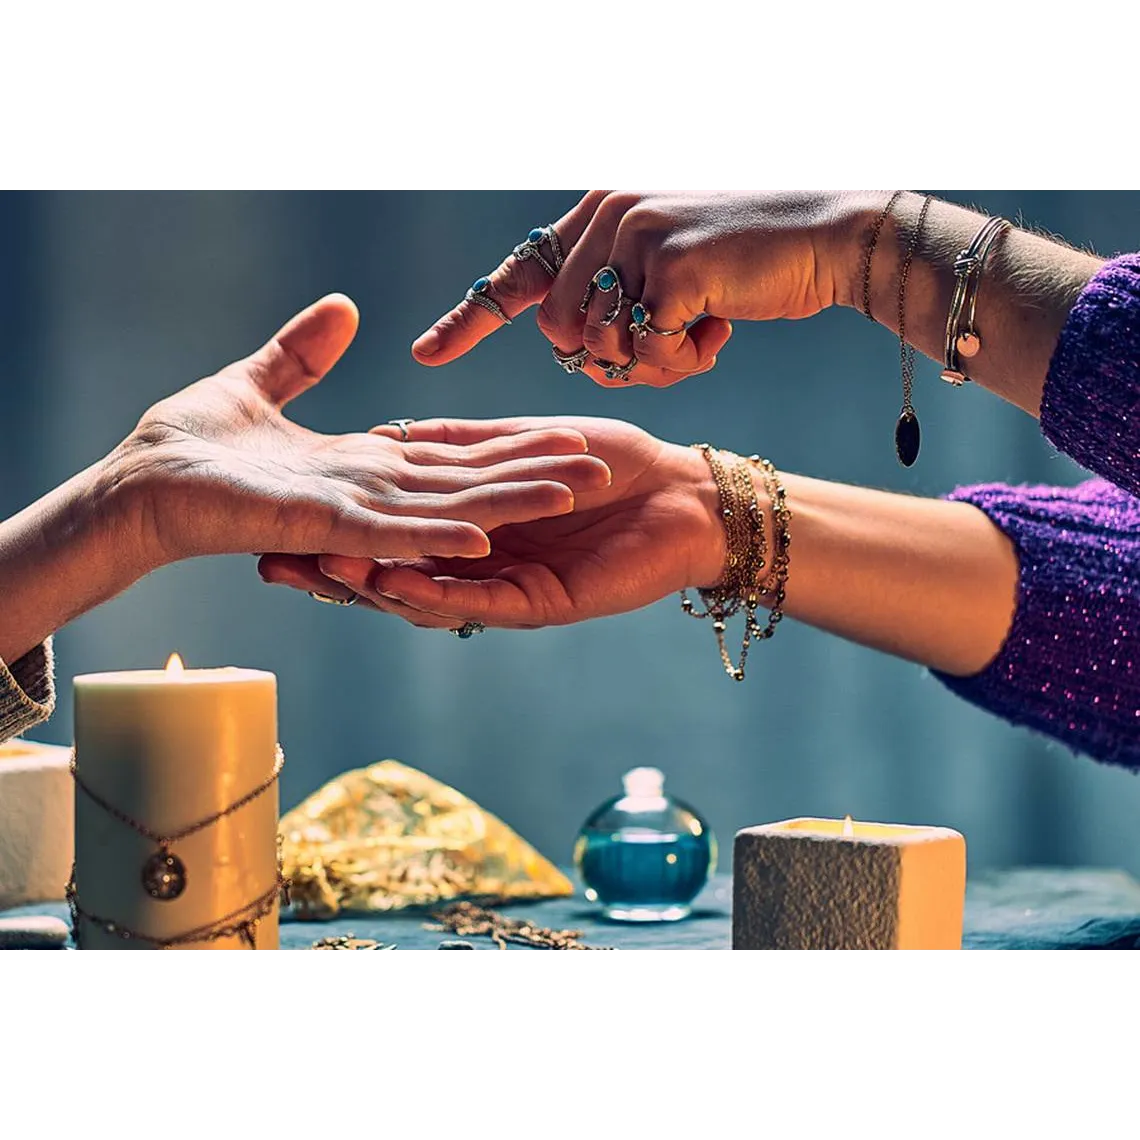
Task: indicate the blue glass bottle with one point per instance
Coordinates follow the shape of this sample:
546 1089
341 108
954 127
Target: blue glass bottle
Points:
644 855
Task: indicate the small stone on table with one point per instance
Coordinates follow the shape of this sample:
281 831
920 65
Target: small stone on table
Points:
33 932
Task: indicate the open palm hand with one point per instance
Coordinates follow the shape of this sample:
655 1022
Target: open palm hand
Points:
217 468
652 531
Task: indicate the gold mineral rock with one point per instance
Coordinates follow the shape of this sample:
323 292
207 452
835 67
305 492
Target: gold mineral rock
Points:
388 836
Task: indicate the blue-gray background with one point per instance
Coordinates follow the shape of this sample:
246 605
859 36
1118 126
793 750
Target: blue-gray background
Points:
110 301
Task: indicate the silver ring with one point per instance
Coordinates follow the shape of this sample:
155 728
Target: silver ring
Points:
606 280
403 426
468 629
350 601
613 371
570 361
641 318
531 249
480 295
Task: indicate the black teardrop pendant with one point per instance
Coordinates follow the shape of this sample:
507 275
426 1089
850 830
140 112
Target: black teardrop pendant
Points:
908 437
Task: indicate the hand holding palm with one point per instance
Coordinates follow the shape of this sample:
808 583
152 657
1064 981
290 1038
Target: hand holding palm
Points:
652 531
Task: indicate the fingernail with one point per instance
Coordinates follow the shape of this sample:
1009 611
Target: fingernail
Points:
428 344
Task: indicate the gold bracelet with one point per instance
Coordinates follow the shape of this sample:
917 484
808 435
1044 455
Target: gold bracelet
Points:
745 582
968 269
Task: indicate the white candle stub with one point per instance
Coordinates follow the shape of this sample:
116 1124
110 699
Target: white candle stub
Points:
842 884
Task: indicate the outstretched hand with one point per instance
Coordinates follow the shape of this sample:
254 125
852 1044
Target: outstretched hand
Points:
218 468
653 530
720 257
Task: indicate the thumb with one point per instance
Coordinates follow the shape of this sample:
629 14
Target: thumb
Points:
300 354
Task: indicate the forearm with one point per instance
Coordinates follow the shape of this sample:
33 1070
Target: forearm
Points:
1021 599
1027 290
62 556
932 581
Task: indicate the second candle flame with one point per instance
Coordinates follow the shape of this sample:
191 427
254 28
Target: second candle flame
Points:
848 828
174 664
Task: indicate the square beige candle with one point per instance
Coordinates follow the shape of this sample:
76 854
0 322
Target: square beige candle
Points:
829 884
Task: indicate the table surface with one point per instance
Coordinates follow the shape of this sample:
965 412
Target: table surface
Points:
1024 909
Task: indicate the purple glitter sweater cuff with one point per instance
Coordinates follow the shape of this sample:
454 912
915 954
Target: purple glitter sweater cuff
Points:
1068 665
1090 407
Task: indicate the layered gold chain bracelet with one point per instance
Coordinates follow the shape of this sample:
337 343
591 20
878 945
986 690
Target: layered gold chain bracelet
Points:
752 572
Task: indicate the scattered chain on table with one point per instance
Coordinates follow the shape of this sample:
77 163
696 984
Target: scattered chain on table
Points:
350 942
466 918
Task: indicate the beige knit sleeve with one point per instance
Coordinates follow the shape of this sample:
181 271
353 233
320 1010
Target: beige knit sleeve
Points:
27 691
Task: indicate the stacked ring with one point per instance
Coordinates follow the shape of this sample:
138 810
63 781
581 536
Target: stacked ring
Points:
613 371
570 361
480 294
468 629
531 249
606 280
403 426
330 601
641 318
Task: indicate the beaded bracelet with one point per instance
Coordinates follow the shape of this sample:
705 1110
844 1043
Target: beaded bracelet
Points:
744 582
968 269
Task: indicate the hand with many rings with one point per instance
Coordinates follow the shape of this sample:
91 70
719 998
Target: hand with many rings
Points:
641 288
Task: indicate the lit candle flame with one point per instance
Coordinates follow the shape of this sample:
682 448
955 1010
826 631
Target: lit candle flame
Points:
174 664
848 828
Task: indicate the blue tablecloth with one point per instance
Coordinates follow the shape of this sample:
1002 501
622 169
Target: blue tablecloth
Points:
1027 909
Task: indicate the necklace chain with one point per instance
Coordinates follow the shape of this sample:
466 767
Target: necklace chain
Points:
242 921
164 874
906 352
164 841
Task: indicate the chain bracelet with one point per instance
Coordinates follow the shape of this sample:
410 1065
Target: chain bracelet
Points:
744 582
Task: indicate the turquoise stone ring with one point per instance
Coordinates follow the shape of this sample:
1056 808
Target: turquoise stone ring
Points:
469 629
606 280
613 371
641 326
531 249
480 294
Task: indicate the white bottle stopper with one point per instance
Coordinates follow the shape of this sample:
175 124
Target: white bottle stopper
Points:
644 783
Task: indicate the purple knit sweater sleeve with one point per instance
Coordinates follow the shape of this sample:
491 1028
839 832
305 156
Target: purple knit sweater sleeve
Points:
1070 666
1090 408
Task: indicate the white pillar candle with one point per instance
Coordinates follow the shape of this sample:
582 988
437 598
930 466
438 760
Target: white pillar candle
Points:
169 748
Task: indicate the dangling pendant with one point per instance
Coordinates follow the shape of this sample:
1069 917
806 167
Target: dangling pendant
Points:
249 933
908 437
164 875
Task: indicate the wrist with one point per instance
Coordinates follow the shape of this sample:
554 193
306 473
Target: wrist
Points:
848 237
62 556
113 516
706 546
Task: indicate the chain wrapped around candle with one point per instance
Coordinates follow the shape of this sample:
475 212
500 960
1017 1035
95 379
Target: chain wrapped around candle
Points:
185 757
